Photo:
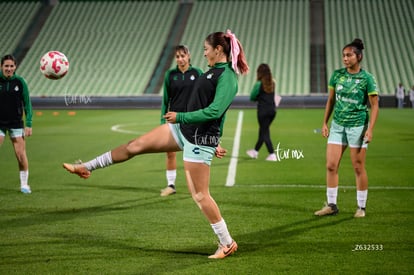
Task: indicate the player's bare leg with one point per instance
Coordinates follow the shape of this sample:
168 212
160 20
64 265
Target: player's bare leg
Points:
170 174
198 179
334 154
157 140
19 146
358 156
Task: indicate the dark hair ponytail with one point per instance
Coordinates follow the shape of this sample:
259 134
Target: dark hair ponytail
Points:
358 46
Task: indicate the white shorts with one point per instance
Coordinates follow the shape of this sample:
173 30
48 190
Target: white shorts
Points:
192 152
14 133
347 136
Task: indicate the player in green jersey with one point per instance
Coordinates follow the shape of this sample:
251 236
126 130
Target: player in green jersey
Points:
196 131
350 90
14 102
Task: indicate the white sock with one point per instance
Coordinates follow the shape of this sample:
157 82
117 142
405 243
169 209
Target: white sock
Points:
362 198
332 194
24 177
171 176
222 233
101 161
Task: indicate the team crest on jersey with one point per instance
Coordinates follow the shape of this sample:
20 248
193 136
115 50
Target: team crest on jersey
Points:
192 77
210 76
16 89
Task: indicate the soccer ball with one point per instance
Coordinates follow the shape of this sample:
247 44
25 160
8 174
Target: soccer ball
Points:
54 65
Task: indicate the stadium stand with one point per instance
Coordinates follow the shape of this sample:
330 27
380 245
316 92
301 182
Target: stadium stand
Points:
116 48
15 18
386 27
272 32
136 32
112 47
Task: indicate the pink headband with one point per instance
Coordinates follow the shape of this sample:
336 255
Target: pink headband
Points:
234 51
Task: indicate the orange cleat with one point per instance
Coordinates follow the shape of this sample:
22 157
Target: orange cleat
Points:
78 169
224 251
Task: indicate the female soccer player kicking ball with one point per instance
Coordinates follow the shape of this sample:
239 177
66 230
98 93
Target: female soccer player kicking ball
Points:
196 132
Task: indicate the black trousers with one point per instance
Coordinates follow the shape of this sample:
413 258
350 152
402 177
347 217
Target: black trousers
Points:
265 118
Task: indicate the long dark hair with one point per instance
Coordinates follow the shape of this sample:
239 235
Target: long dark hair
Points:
264 75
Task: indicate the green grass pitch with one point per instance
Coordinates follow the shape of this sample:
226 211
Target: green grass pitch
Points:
116 222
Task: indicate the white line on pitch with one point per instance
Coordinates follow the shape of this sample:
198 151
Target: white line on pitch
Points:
119 128
323 186
231 174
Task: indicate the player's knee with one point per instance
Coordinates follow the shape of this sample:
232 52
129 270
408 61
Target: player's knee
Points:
359 169
198 197
135 147
331 167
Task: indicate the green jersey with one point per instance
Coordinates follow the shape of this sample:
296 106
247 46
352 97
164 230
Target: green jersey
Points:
351 96
213 92
14 101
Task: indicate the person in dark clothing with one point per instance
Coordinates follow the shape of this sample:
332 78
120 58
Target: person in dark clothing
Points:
264 93
178 85
14 101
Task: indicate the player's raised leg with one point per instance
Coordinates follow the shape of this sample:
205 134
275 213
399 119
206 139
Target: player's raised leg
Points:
157 140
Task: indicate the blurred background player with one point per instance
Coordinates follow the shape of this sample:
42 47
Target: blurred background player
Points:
400 95
350 89
264 93
14 101
178 85
411 94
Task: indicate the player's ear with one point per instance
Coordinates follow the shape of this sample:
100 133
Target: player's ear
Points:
218 49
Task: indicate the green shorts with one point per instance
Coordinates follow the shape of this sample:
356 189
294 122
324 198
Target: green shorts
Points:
14 133
192 152
347 136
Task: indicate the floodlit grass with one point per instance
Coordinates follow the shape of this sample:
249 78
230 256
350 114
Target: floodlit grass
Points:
116 222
